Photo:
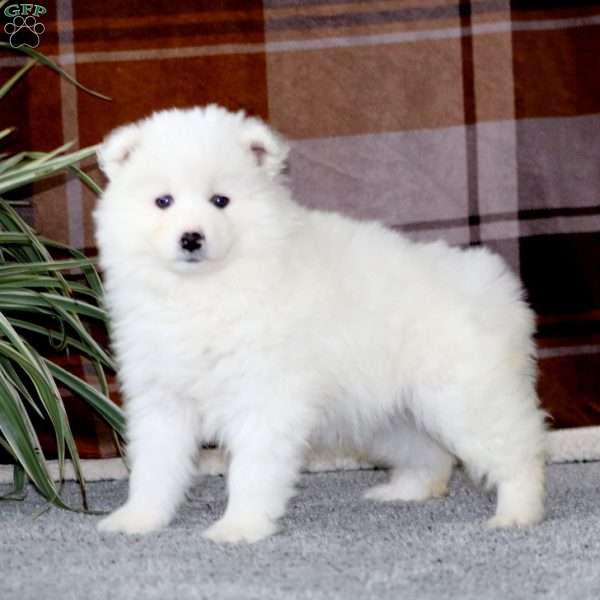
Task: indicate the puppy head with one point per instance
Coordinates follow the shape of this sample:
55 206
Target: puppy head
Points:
189 188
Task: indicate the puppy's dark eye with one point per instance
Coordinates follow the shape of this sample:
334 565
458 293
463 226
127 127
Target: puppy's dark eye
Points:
219 201
164 201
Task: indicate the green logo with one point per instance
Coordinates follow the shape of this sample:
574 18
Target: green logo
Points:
24 29
15 10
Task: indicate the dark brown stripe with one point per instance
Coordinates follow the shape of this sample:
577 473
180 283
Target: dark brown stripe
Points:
305 22
178 31
470 111
548 5
121 8
412 13
478 7
521 215
569 328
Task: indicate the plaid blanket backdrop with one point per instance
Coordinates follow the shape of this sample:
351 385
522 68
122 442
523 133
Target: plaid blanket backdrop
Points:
474 121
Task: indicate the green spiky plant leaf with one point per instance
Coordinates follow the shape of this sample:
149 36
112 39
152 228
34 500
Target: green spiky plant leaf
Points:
47 305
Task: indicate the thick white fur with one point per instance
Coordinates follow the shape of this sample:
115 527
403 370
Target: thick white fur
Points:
299 329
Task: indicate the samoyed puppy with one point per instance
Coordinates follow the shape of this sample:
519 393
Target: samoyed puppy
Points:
240 316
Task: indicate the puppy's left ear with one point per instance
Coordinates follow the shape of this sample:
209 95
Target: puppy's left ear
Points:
269 149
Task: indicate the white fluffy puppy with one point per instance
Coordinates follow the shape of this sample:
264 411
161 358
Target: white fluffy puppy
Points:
240 316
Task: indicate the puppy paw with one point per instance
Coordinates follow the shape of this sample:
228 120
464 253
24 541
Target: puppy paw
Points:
248 528
406 490
132 521
514 520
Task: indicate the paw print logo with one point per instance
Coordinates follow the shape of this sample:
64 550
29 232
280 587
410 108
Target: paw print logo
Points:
24 31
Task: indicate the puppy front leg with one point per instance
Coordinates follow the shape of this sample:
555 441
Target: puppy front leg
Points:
261 480
162 442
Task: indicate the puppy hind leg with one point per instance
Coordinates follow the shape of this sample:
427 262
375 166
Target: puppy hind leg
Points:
520 496
507 449
421 468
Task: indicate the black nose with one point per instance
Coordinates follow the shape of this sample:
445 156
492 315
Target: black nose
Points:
191 241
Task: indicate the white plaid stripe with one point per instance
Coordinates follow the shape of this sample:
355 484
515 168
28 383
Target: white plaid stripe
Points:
70 121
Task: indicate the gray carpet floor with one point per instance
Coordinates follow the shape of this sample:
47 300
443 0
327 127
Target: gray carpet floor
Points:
332 544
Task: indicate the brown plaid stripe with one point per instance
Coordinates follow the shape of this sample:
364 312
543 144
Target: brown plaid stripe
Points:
477 121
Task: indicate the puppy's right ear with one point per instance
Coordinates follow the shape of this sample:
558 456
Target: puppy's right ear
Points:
270 150
116 149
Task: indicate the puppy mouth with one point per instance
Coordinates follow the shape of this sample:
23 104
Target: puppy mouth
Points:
189 259
191 256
